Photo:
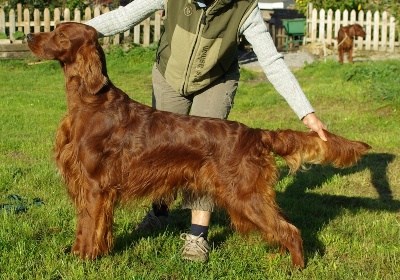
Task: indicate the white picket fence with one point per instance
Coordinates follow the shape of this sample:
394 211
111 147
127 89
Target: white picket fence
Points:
321 26
145 33
380 28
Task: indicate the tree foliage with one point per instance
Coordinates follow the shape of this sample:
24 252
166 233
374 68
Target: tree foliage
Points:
392 7
301 5
42 4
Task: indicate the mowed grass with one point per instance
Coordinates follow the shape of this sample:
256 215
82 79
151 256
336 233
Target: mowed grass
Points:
350 219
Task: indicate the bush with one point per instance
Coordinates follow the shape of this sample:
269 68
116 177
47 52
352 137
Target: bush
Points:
19 35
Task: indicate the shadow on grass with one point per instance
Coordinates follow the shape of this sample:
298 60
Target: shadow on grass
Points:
311 211
307 211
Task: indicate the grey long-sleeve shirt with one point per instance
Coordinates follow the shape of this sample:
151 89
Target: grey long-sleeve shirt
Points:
254 29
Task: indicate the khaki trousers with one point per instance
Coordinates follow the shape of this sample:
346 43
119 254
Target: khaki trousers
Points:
216 101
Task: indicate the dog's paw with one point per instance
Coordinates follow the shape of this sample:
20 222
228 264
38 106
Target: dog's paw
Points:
85 250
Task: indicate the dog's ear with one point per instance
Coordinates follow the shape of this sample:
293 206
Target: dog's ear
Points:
351 31
90 68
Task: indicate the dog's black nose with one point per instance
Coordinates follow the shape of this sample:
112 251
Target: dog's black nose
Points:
30 37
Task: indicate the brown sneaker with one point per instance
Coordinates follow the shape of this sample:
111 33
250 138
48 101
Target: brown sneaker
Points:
151 222
196 248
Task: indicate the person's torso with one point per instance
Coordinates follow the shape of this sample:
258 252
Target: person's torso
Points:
199 45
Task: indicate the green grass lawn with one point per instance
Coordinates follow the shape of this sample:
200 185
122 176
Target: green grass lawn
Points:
350 219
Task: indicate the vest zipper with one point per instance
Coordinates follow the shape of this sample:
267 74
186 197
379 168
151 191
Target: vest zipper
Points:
159 51
203 21
204 17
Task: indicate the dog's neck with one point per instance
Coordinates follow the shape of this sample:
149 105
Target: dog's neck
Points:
76 89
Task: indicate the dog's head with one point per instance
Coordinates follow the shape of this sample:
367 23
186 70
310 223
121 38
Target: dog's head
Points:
76 47
356 31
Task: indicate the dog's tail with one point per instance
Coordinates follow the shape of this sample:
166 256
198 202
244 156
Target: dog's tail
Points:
298 148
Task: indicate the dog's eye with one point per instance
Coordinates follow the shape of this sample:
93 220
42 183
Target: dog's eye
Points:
61 34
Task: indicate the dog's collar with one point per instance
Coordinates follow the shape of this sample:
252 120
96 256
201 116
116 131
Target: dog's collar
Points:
104 87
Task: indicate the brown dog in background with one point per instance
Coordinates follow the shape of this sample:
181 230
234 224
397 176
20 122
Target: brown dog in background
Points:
110 148
346 37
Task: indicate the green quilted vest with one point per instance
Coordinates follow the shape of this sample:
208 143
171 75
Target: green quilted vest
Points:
199 45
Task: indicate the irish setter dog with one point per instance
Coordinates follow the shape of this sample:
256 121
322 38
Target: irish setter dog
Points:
345 39
110 148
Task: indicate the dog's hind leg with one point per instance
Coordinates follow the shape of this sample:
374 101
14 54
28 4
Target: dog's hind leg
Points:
264 215
95 219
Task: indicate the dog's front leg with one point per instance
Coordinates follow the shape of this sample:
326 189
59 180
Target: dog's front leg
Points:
350 55
341 55
95 219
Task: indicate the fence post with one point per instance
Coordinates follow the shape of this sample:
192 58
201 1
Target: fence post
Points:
314 25
329 24
384 31
77 15
67 14
322 26
353 17
46 18
375 43
36 21
19 17
2 20
126 34
106 40
116 39
360 40
308 20
57 16
97 11
337 25
368 30
136 34
146 32
88 14
12 24
392 33
345 19
27 21
157 26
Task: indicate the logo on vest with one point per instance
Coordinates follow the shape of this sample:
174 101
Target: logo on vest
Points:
188 10
201 60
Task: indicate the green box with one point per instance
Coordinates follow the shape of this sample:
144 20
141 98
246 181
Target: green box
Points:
294 26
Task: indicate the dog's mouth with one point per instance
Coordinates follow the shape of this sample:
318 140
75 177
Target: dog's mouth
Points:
31 43
38 47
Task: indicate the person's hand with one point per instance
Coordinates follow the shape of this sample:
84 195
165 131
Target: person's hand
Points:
315 124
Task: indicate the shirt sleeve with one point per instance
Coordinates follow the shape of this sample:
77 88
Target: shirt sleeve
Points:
271 61
125 17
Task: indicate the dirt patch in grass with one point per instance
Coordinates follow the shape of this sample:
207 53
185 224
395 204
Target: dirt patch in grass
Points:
301 57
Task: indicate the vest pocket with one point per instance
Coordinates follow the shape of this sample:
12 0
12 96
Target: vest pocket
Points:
161 48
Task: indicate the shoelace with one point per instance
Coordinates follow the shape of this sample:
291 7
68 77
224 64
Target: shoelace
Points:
193 243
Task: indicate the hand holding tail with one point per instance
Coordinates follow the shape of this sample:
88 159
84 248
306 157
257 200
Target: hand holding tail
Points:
312 122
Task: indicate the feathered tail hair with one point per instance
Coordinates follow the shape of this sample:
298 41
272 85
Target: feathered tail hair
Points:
298 148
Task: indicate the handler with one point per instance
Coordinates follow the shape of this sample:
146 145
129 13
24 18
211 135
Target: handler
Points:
196 71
